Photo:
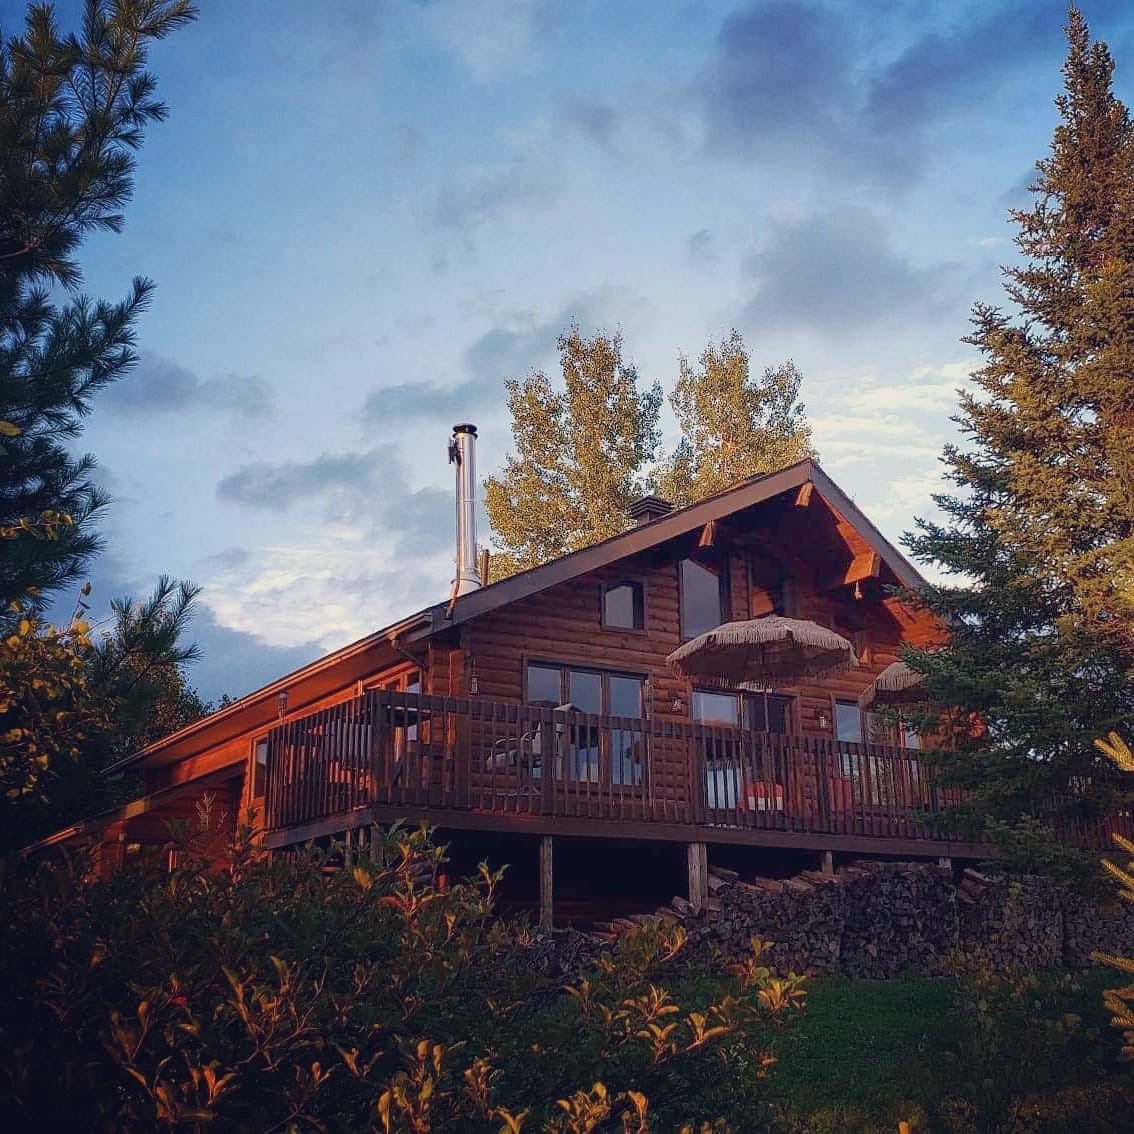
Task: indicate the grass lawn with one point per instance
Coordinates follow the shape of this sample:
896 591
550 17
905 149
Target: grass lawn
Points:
867 1053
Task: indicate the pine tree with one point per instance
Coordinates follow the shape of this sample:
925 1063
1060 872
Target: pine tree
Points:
73 109
1041 658
580 455
72 701
732 427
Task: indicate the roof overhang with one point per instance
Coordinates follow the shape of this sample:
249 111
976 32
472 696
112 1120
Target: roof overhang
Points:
93 826
259 709
675 524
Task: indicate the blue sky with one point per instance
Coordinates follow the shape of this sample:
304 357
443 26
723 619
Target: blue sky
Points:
363 216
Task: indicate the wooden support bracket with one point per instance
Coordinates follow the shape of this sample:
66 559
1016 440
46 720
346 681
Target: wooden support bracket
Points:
867 565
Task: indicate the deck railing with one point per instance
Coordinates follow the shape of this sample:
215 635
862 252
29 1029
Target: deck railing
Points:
470 755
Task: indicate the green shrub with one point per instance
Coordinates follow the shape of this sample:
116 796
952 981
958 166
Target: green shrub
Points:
281 994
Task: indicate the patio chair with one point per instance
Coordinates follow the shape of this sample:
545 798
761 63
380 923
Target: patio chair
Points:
525 752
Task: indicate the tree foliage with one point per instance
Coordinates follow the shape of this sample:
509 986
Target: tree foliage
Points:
47 712
278 996
1040 658
580 454
1120 1001
74 700
584 454
73 110
732 426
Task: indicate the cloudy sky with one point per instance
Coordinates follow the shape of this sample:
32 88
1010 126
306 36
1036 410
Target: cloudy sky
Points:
363 215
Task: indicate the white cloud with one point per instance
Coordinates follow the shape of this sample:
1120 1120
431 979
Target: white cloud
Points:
334 590
491 38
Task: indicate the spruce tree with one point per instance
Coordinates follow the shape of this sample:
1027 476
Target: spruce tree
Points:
580 455
1041 656
733 427
73 110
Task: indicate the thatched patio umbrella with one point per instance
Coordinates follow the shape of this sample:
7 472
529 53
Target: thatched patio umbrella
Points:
762 652
897 684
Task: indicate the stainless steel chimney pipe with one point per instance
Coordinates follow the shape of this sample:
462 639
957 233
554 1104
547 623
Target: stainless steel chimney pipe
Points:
462 453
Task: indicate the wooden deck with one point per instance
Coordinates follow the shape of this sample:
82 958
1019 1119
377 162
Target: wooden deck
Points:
475 764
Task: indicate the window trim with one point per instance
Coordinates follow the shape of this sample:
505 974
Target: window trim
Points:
626 581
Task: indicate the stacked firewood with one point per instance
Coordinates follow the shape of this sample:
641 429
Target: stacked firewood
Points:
801 916
1089 926
873 920
897 916
1009 921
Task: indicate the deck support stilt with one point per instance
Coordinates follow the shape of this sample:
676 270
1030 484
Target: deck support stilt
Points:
377 847
698 875
545 884
827 862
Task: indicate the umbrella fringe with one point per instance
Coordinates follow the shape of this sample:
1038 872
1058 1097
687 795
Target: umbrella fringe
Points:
763 653
897 683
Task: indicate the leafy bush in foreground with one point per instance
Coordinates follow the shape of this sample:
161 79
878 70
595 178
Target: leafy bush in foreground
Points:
282 995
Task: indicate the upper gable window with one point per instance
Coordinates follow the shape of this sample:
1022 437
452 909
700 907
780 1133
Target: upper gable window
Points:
702 598
770 589
624 606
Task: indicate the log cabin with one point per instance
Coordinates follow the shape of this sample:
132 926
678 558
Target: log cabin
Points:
537 714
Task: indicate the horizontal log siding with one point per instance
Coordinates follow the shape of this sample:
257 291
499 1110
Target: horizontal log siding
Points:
564 625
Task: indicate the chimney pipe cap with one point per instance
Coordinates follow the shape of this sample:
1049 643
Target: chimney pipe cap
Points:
648 508
465 427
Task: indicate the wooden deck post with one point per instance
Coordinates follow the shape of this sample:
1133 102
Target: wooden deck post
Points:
827 863
545 884
377 847
698 875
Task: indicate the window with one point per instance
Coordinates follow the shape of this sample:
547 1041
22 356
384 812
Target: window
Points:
758 712
728 764
702 598
259 768
624 606
848 722
405 732
878 780
853 725
592 753
769 587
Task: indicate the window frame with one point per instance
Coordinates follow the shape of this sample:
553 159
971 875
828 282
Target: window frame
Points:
897 736
605 755
258 774
640 605
757 581
714 564
743 702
